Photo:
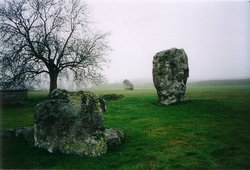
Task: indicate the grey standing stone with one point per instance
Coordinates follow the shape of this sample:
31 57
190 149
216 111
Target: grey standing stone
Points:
72 123
128 85
170 73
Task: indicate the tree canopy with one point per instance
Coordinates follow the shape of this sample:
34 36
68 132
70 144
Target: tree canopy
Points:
49 37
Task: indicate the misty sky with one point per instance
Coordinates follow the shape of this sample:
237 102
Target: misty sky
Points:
215 36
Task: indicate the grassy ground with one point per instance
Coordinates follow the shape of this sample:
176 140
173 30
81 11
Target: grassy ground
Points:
209 131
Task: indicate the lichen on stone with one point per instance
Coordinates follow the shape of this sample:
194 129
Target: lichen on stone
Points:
114 137
170 73
89 147
71 123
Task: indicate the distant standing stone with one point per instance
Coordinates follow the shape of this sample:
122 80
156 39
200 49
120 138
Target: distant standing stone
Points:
170 73
128 85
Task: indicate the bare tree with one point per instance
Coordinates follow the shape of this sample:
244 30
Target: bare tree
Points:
48 37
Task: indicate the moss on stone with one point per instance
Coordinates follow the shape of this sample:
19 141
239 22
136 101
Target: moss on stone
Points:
67 121
88 147
170 73
71 123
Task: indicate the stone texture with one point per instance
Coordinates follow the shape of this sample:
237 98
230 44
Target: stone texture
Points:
128 85
170 73
72 123
114 137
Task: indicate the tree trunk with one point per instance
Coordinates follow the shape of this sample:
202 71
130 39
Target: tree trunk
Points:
53 81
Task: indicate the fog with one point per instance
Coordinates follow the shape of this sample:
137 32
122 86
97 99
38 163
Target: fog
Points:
215 36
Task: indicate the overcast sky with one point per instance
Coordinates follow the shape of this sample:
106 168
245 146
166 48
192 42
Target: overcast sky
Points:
215 36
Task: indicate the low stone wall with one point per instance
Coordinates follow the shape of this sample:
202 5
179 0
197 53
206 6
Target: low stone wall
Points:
13 96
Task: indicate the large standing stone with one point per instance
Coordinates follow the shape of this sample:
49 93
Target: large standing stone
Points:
170 73
128 85
71 122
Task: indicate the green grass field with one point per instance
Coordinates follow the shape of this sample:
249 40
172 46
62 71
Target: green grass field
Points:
209 131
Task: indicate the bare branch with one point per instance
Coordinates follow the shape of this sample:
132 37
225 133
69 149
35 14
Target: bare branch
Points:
40 37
